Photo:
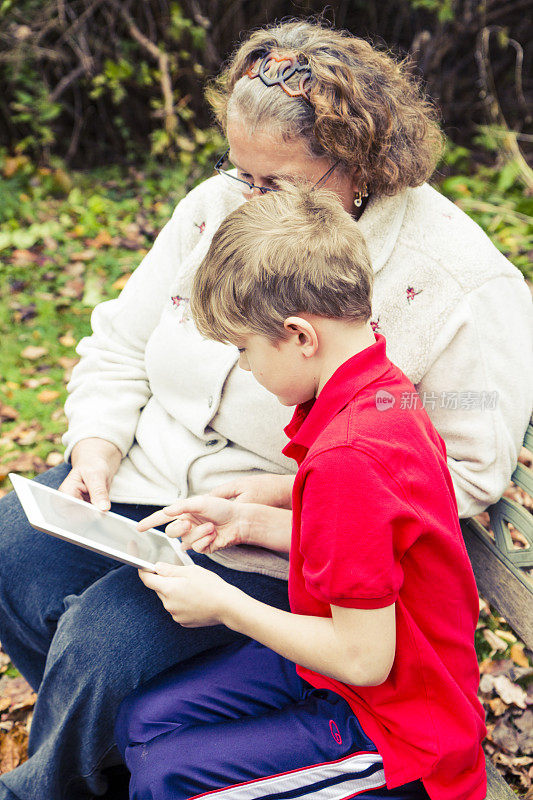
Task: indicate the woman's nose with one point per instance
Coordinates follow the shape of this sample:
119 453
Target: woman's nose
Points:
248 194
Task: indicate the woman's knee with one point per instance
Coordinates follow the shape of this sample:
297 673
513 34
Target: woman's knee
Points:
18 568
17 537
127 724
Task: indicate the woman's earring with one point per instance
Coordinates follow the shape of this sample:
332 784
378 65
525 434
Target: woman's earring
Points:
358 196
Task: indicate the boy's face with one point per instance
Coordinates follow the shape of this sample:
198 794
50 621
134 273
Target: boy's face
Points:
278 367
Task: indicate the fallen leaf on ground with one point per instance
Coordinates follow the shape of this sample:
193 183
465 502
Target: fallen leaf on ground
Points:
15 694
102 239
13 747
7 413
73 289
518 655
67 362
494 641
507 636
94 290
24 462
497 706
47 395
121 282
83 255
22 433
510 693
34 352
53 459
34 383
506 736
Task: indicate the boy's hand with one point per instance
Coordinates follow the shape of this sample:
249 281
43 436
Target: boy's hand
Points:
203 523
193 596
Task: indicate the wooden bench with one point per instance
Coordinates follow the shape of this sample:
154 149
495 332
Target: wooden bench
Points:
499 568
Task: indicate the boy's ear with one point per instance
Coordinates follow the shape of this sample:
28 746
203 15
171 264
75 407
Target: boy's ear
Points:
304 333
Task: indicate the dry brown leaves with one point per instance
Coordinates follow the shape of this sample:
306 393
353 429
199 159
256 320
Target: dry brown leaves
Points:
506 690
16 704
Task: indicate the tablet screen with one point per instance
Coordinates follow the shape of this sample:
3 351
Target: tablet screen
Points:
100 528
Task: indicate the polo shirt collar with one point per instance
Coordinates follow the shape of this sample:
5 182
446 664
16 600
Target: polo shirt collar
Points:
310 418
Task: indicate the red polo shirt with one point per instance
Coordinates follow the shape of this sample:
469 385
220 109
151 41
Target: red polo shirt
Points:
374 523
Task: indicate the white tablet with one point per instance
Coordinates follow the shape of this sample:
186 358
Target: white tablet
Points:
104 532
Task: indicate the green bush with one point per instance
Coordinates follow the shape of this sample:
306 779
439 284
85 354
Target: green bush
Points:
113 81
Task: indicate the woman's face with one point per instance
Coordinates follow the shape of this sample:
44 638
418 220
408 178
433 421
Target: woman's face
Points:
263 158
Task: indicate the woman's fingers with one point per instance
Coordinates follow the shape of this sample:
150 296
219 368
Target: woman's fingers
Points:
74 486
89 484
96 483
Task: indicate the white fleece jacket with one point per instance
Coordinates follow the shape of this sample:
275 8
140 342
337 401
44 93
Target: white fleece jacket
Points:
455 313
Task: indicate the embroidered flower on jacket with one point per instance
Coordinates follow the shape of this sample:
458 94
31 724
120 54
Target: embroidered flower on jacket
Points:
411 293
201 226
181 304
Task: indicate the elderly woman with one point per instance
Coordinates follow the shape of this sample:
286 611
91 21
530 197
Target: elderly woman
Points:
156 412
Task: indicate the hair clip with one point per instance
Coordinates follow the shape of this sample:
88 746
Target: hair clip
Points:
276 70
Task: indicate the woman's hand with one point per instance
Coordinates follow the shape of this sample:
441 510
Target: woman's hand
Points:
193 596
94 465
203 523
267 489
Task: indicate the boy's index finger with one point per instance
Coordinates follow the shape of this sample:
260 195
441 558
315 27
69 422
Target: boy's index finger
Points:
161 517
193 505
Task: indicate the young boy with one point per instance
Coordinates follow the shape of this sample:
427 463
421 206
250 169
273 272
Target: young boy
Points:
382 702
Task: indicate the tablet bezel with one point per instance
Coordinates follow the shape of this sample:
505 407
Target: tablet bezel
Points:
22 487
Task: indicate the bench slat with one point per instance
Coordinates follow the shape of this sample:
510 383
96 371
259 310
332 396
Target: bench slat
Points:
500 582
509 511
497 789
523 477
528 438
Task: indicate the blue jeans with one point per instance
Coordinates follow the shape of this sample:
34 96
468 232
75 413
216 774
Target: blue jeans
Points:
85 632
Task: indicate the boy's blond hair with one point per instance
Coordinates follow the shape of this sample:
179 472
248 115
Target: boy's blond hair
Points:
278 255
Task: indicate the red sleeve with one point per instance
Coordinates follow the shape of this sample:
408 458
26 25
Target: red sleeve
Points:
353 520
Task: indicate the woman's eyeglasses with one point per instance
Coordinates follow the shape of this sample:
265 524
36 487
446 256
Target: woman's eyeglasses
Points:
222 168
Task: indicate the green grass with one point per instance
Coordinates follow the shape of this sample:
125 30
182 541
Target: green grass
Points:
67 238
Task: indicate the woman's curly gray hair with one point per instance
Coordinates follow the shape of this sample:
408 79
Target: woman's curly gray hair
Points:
364 108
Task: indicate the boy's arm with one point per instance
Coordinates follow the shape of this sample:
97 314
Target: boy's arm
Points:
355 646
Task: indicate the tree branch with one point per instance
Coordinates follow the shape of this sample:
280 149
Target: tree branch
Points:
510 140
171 119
